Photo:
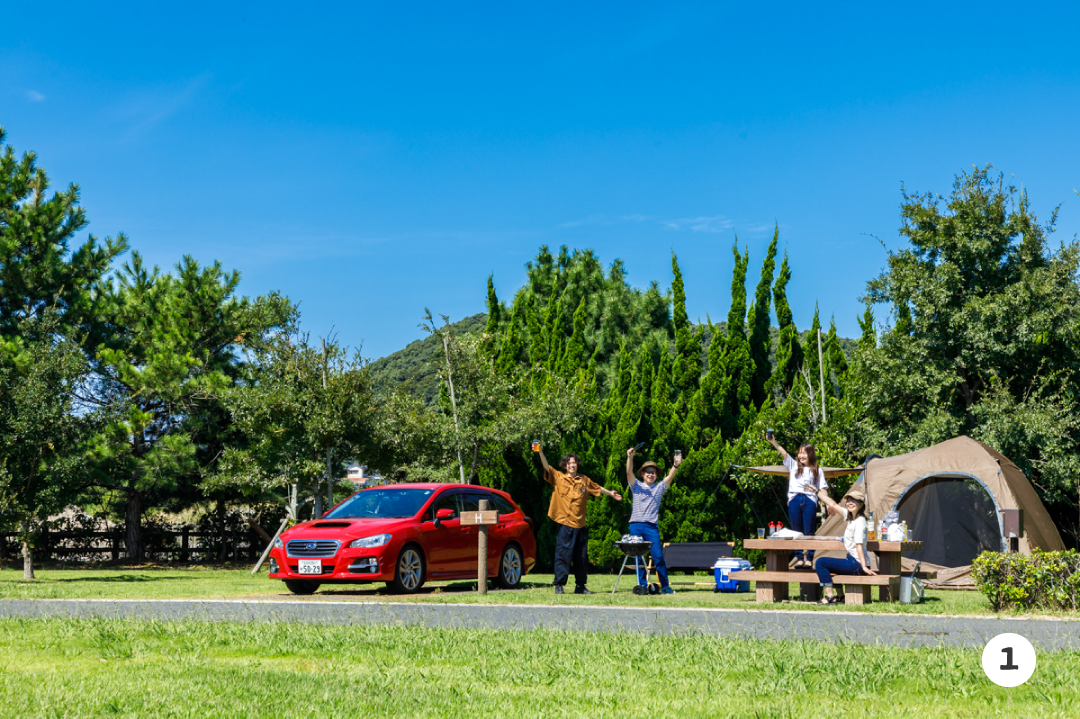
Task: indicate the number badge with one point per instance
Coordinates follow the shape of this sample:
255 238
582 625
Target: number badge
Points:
1008 660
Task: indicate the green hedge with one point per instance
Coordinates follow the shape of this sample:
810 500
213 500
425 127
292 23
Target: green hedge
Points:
1044 580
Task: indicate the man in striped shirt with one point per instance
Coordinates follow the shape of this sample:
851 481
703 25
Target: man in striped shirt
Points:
647 494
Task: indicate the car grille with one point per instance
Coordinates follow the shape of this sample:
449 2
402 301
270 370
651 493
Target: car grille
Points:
312 547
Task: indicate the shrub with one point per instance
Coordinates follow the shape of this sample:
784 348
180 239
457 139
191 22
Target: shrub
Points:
1044 580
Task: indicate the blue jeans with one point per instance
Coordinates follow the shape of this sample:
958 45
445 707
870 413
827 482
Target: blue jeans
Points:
802 514
828 566
649 532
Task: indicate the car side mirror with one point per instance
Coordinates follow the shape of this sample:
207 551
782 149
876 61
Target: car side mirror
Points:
441 514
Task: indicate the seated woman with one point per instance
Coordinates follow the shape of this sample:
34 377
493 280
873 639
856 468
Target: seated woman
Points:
854 511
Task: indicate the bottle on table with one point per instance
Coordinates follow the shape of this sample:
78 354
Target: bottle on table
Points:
870 529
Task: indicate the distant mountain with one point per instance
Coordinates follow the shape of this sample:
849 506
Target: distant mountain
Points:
413 368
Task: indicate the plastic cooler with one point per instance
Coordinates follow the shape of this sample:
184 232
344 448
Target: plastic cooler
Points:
723 568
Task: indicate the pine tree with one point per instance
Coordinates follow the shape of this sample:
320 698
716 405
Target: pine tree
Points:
759 325
788 350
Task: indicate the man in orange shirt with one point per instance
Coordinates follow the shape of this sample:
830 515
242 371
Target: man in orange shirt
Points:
572 491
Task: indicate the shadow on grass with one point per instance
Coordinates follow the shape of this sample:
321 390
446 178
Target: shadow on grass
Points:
128 578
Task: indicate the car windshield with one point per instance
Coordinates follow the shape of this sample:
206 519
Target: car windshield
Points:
382 502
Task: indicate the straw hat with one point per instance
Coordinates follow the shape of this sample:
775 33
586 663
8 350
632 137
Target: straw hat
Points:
646 466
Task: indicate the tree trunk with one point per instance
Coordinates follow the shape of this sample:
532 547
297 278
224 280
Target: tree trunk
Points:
223 551
27 553
27 561
134 526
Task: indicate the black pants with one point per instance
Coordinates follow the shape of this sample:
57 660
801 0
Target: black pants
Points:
572 546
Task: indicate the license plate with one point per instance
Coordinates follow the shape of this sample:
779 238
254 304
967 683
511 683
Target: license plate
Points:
310 566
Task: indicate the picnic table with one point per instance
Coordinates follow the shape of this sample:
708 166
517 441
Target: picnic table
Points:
772 583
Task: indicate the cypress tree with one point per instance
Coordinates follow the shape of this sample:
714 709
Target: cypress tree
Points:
868 340
836 364
759 325
664 417
512 349
810 350
494 311
573 358
537 348
555 333
738 366
788 350
702 418
687 366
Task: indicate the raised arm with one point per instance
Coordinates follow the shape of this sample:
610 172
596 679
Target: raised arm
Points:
671 472
543 461
781 450
630 478
823 495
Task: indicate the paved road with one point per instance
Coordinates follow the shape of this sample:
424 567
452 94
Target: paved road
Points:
888 629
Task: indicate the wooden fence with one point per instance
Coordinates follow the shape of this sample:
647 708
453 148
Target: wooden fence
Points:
179 545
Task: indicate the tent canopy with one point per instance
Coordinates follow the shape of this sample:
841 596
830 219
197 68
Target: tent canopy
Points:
781 470
951 495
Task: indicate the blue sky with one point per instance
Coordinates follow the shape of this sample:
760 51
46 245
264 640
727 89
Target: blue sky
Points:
372 160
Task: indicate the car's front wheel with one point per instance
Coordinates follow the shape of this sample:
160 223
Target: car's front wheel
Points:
409 571
300 587
511 568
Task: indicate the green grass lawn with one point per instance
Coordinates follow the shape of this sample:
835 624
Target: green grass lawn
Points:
108 668
204 582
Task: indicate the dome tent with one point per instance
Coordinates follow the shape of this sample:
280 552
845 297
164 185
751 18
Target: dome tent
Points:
951 495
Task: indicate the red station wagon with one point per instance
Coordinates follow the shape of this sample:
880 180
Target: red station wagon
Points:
404 535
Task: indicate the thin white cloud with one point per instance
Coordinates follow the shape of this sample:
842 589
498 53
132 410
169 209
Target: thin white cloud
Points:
35 96
604 221
713 223
146 110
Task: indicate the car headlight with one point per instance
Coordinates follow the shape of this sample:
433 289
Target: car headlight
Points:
368 542
278 544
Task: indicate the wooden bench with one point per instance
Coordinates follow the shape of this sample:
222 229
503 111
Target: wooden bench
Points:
772 586
778 559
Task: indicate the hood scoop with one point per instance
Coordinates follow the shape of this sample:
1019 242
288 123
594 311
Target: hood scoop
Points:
331 525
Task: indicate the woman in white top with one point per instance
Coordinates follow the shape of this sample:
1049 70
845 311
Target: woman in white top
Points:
854 511
805 478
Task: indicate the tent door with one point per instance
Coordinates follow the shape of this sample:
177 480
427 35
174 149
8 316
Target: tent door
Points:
955 516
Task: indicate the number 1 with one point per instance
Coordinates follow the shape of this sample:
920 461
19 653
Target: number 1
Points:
1008 659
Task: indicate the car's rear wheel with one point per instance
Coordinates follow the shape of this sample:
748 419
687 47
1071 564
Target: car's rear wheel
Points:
511 567
300 587
409 571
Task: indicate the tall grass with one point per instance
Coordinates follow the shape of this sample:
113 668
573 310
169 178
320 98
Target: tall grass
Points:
92 668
